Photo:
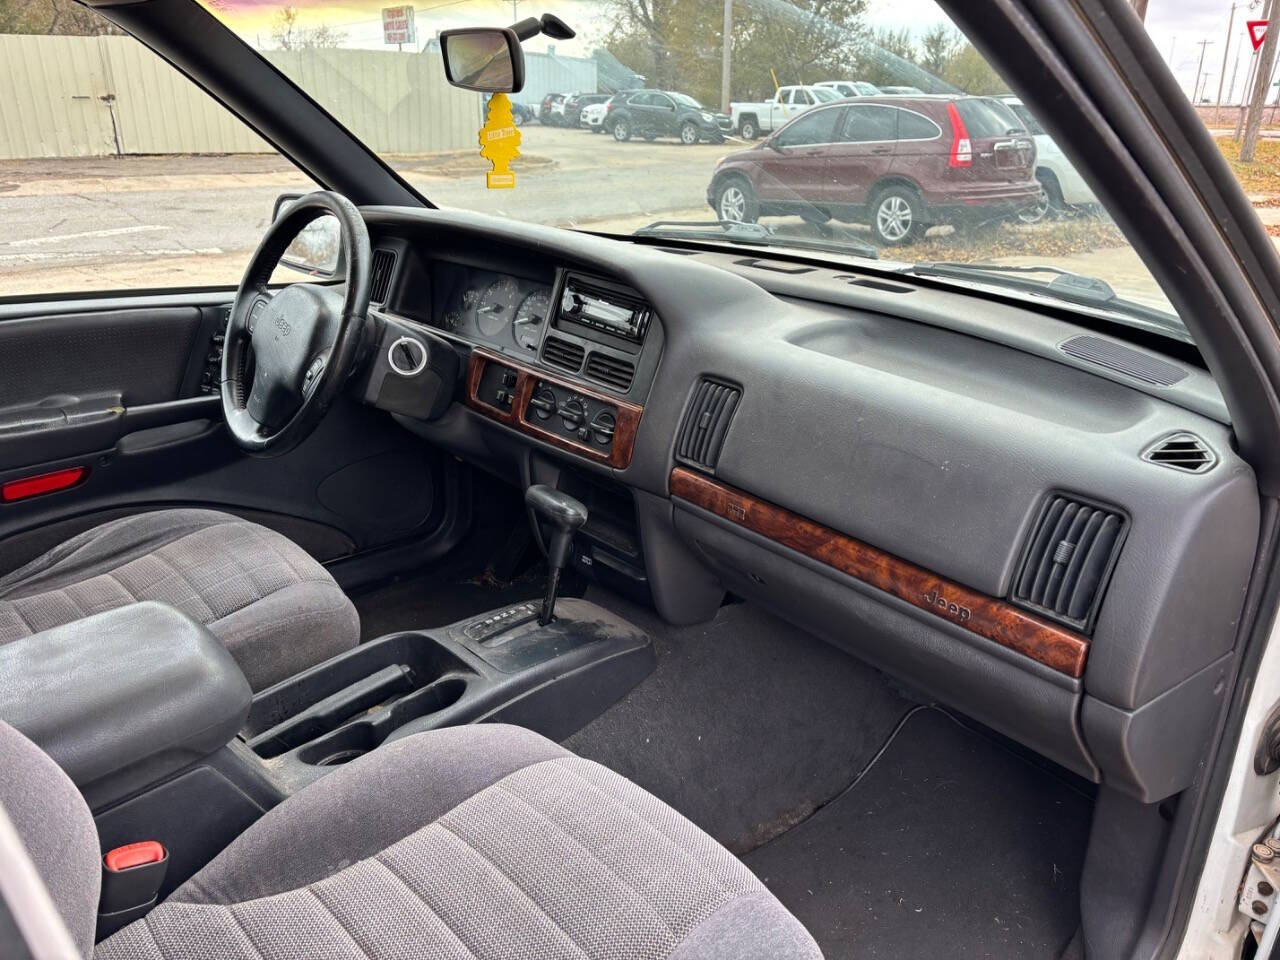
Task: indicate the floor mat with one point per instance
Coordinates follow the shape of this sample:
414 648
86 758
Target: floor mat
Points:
746 726
949 845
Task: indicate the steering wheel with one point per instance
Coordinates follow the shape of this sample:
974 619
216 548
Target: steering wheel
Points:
303 340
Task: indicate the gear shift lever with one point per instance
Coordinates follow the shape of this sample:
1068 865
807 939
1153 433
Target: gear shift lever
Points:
564 515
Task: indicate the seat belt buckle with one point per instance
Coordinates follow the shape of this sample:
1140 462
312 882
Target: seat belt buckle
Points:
131 879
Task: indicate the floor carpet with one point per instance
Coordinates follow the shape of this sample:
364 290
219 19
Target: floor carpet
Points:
746 726
948 845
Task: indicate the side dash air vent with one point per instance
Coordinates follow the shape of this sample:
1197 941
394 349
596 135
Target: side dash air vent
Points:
1069 560
384 265
611 371
563 353
1181 451
1122 359
705 424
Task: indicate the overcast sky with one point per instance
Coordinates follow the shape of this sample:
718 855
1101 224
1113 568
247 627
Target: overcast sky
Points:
1175 26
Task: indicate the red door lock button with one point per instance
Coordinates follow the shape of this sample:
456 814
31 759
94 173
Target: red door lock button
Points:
134 855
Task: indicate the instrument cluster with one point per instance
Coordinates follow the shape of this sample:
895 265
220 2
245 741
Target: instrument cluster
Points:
505 311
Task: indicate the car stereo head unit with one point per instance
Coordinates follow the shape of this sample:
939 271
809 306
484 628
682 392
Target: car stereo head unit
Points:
597 306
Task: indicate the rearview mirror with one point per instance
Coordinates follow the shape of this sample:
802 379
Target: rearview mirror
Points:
317 249
488 59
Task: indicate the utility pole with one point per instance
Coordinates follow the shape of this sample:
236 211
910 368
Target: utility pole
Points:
1253 122
726 55
1195 87
1226 52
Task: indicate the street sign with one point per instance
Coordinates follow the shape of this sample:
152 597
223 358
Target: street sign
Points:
397 25
1257 32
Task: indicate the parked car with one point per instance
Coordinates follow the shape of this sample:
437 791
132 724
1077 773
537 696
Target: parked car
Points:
663 113
850 88
902 91
897 164
1061 186
574 103
750 119
547 112
592 116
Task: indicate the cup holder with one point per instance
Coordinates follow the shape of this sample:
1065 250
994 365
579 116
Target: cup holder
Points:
356 739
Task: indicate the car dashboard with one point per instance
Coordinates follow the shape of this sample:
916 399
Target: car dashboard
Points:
1038 523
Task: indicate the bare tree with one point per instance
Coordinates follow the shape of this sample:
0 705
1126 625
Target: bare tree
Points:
287 35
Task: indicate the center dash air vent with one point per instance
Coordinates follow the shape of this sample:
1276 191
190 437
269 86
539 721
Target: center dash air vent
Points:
705 424
384 265
611 371
563 353
1181 451
1069 560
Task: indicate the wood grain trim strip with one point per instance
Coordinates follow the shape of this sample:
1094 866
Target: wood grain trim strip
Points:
989 617
624 431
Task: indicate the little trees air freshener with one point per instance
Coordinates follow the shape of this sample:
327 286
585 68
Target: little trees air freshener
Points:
500 143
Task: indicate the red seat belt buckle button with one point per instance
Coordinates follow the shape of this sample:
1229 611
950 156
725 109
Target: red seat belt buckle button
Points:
134 855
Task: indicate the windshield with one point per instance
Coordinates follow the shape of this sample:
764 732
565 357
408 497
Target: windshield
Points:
923 165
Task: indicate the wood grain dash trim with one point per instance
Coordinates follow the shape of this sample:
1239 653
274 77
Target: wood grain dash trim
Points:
989 617
624 432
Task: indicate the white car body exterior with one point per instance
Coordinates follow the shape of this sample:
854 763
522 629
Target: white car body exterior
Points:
850 88
751 119
1050 158
592 116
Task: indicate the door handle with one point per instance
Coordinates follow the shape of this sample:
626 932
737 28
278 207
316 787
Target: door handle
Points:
882 149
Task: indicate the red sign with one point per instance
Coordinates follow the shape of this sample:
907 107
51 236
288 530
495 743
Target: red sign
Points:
397 25
1257 32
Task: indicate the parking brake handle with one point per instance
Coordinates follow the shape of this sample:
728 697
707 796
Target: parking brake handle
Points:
564 515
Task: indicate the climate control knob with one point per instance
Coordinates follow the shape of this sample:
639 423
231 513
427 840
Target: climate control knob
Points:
573 413
543 403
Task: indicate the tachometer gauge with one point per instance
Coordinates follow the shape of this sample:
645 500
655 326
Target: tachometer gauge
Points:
527 326
470 296
497 305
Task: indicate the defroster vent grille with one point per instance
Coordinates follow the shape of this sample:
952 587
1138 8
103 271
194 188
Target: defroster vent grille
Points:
1069 560
705 424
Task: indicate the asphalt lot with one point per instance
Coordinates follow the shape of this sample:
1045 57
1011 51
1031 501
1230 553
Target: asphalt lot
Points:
101 223
75 225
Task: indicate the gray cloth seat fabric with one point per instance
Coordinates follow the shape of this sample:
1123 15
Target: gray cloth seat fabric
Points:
473 842
277 610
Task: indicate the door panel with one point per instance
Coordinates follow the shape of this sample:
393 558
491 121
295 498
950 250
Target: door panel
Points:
129 395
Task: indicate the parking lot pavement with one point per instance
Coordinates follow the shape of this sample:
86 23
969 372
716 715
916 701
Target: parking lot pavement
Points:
111 222
104 223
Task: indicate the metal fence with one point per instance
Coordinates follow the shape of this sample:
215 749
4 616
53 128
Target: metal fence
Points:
105 96
549 73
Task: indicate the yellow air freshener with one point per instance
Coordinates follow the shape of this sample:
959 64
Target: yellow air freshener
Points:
500 143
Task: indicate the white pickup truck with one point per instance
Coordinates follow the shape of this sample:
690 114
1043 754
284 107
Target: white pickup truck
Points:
752 119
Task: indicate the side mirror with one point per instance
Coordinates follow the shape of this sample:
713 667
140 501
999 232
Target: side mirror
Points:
776 145
317 249
488 59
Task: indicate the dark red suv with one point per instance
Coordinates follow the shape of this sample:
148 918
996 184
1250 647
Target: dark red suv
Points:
897 163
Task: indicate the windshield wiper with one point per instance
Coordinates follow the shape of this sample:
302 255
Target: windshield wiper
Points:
751 233
1077 288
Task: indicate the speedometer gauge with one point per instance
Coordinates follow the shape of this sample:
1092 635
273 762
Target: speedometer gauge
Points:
496 306
527 326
